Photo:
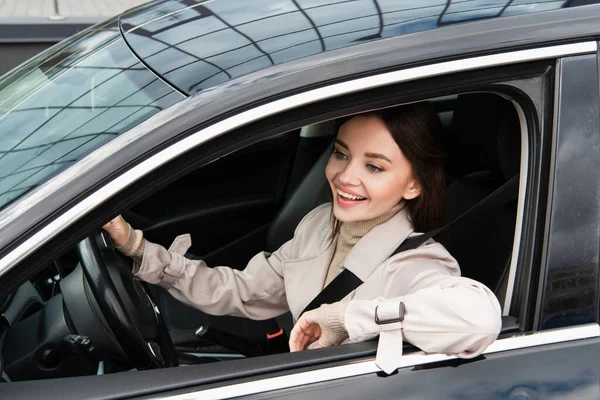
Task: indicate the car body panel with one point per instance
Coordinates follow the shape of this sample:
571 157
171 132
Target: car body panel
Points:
347 366
550 372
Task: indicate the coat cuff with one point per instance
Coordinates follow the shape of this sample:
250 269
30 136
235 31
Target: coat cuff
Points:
133 246
383 318
333 315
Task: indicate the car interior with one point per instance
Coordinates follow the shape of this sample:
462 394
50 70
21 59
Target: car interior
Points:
249 201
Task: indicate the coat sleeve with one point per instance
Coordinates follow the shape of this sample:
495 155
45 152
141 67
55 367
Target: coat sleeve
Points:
443 312
257 292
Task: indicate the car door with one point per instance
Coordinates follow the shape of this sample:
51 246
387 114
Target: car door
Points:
560 360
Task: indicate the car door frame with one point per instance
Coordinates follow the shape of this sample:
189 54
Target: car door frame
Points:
295 363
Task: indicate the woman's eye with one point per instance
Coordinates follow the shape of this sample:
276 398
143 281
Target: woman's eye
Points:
374 168
339 155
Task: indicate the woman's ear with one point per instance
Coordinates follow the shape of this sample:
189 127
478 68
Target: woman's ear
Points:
413 190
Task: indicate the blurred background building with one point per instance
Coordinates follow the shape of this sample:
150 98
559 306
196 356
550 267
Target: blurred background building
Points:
30 26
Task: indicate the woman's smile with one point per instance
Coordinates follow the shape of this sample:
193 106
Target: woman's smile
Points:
347 199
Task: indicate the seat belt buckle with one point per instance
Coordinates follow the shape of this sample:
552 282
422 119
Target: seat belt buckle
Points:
400 317
274 335
277 342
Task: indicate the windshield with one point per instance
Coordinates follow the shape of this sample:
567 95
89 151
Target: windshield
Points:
69 101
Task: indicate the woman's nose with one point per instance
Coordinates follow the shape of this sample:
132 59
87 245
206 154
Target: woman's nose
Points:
348 175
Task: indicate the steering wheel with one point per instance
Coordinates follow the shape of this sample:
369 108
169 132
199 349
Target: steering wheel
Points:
127 307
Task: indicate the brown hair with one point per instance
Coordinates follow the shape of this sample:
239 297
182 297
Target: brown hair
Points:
415 128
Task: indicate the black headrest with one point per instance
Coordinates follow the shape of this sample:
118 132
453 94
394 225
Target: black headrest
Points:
486 136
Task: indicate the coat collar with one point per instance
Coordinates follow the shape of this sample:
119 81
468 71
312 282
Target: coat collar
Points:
378 244
304 278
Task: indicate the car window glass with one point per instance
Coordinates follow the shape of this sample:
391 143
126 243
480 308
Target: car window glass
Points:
61 107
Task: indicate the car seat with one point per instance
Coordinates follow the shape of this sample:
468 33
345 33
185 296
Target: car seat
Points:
484 154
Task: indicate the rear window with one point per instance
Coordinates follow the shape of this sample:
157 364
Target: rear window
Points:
69 101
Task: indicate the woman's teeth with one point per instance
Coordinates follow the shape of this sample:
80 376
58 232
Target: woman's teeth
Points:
349 196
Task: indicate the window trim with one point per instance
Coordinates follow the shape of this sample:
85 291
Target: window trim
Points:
99 196
588 331
523 177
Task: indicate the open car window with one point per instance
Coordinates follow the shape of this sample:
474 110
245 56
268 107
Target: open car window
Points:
250 213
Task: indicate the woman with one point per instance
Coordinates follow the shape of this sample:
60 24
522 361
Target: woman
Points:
386 179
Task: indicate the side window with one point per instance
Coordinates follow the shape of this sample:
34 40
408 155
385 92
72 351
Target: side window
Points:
229 200
249 200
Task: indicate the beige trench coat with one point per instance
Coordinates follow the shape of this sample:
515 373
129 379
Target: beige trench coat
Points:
444 313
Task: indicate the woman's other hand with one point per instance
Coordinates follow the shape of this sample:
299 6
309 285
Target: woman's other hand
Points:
118 229
323 326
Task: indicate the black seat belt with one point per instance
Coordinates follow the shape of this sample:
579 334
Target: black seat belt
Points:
346 281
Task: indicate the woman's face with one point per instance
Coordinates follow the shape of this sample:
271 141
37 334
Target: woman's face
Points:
367 172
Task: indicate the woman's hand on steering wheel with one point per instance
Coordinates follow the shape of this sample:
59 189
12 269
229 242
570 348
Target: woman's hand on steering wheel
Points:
118 229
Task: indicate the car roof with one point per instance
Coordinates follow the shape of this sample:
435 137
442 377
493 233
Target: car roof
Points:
195 45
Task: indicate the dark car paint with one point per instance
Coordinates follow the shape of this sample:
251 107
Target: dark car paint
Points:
559 372
551 372
256 88
241 368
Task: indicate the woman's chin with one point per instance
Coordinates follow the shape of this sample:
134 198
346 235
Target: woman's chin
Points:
347 214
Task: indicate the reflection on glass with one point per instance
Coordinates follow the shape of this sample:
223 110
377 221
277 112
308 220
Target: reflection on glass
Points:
203 44
59 108
570 296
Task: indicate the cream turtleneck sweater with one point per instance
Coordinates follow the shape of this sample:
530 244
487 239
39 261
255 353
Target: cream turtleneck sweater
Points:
350 233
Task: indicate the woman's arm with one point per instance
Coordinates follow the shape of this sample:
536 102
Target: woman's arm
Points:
458 316
442 312
423 301
257 292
